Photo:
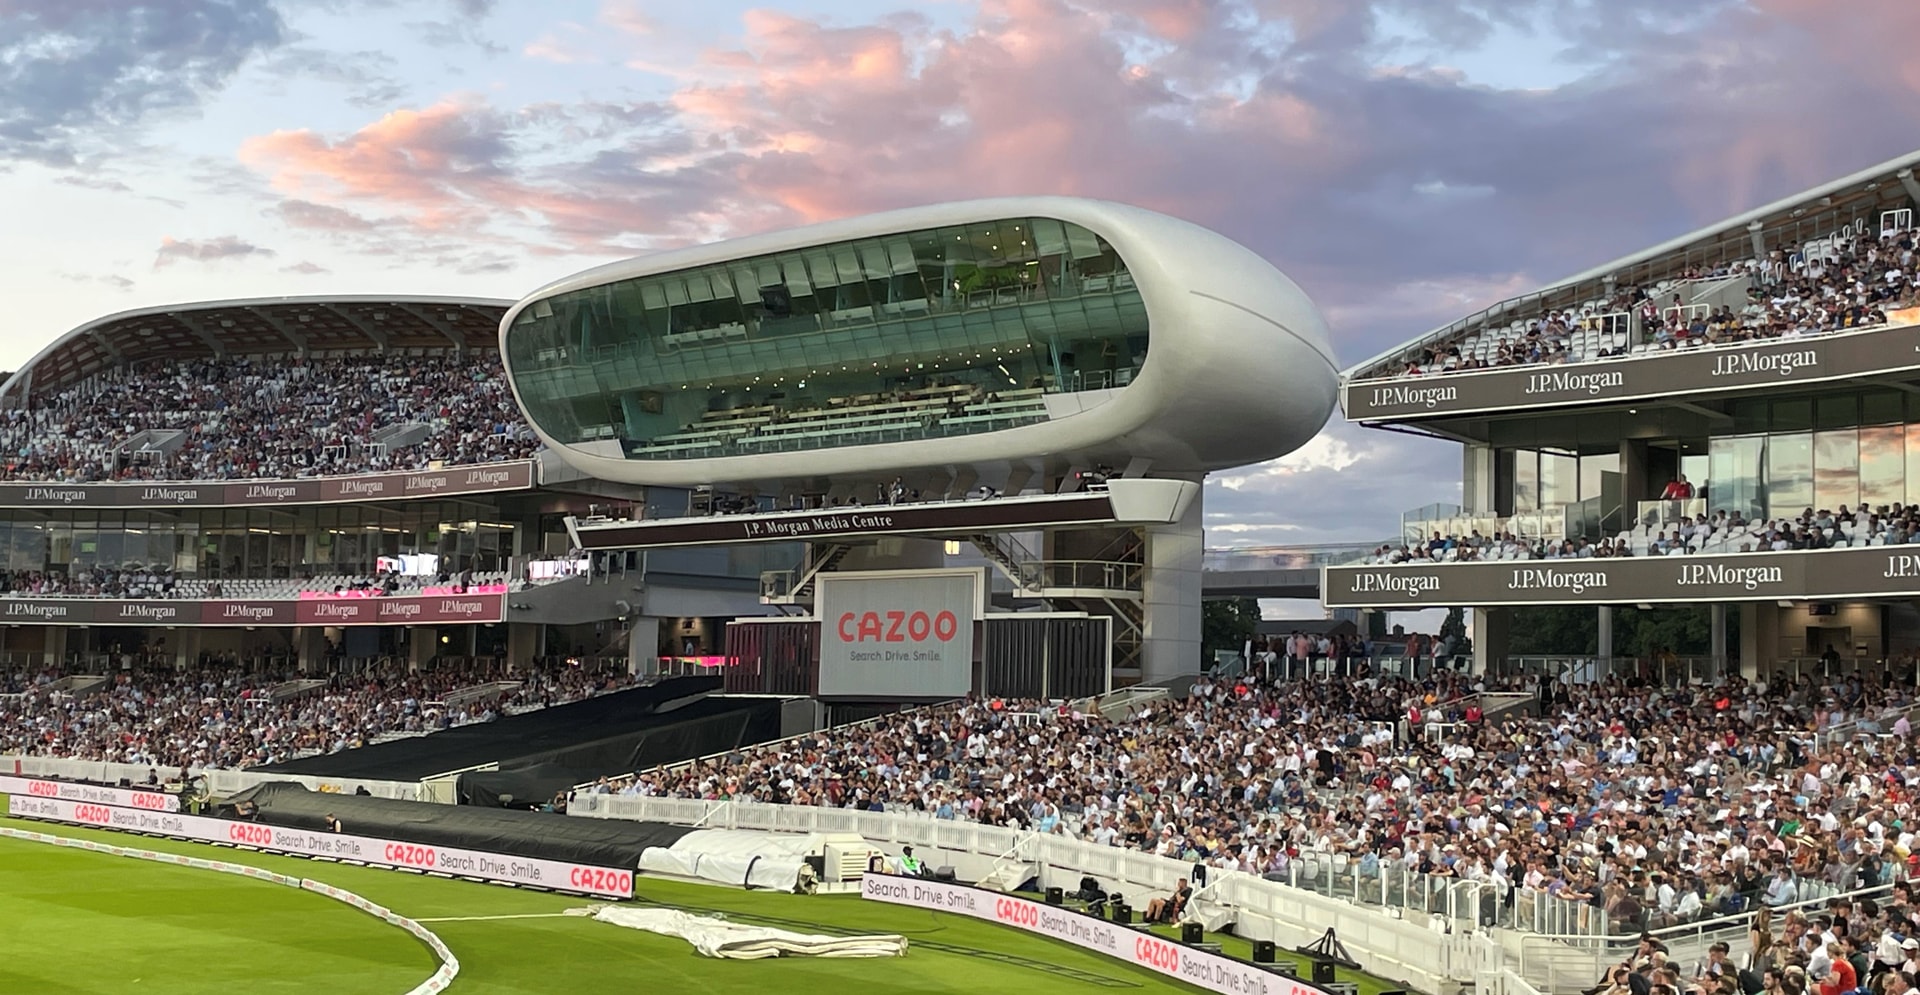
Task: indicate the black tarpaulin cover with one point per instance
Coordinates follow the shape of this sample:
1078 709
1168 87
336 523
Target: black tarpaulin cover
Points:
517 788
599 842
532 737
705 728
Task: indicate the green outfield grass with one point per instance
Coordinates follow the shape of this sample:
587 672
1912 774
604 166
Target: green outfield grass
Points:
184 930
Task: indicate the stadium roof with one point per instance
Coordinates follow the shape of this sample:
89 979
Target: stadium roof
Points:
1783 224
261 326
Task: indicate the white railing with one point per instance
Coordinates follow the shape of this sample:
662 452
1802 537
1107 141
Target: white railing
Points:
1410 948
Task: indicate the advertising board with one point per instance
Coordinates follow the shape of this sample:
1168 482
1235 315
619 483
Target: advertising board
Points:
951 516
481 479
1825 575
1778 362
426 609
1210 971
906 633
34 787
554 875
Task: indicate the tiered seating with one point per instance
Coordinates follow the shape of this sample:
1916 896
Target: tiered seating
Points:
929 412
243 418
1841 283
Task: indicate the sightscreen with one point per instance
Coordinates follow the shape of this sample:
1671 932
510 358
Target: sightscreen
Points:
906 635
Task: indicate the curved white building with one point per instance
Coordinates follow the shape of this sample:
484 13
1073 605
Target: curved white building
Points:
1045 332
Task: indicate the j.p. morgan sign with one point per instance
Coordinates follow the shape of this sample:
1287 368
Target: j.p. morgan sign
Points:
1692 371
481 479
1823 575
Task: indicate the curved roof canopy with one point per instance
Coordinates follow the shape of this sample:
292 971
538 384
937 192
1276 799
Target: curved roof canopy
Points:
1784 224
261 327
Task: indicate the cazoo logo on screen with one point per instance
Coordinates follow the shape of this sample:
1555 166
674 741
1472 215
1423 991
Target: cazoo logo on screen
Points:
898 627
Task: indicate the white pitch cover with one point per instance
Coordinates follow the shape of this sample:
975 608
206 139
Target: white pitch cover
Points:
907 634
556 875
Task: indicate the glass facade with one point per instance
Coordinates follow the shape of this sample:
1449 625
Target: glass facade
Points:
255 542
1834 451
915 335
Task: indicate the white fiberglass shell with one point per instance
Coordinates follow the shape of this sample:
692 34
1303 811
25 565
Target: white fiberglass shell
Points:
1239 369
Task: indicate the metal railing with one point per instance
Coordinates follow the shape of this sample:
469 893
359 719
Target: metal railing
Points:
1305 557
1092 575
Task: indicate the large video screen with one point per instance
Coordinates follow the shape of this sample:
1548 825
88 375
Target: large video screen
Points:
908 634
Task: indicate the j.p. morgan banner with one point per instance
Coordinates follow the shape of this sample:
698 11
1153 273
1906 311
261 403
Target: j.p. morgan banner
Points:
554 875
397 610
898 634
1692 371
953 516
1824 575
231 494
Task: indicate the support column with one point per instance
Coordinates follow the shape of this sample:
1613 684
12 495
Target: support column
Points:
1759 639
1478 489
1605 649
1717 638
57 644
643 645
310 643
1490 626
523 644
1170 603
422 644
185 643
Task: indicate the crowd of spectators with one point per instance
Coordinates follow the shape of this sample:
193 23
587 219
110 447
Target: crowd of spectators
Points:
228 717
1656 804
1720 532
245 418
91 583
1851 284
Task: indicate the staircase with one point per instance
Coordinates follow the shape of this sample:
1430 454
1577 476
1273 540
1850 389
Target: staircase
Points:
794 587
1015 561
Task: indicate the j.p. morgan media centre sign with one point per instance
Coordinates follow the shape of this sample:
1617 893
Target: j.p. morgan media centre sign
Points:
1880 571
1661 374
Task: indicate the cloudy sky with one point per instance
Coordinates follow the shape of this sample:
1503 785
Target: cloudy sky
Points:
1407 161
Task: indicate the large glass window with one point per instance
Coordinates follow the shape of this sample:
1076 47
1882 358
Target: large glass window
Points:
1737 467
923 334
1836 469
1883 468
1789 474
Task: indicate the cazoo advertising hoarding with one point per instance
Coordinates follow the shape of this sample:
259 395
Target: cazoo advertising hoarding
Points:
1209 971
1822 575
554 875
1778 362
899 633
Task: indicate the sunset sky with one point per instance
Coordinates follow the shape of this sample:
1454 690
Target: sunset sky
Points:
1407 161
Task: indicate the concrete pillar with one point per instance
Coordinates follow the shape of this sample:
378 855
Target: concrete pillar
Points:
1170 604
310 643
1478 489
1605 649
1717 629
422 645
185 643
1634 486
1490 626
523 644
1759 639
643 645
57 644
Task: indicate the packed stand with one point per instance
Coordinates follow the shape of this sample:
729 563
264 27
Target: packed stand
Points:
1655 805
1869 945
1718 533
248 419
1854 285
94 583
224 717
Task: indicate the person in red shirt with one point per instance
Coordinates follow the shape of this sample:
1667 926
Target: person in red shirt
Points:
1677 489
1841 978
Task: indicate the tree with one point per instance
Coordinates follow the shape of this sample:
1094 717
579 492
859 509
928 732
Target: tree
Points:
1453 631
1574 630
1227 623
